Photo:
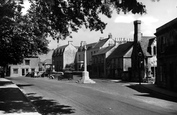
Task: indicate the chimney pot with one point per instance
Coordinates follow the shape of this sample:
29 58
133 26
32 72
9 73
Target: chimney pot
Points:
137 30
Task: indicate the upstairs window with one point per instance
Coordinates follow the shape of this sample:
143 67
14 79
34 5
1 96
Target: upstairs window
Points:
15 71
27 62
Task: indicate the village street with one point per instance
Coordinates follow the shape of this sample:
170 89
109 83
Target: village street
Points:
106 97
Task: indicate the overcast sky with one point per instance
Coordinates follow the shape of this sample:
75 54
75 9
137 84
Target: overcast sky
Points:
121 26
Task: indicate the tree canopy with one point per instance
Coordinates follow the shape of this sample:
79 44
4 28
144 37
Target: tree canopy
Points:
62 17
25 35
19 38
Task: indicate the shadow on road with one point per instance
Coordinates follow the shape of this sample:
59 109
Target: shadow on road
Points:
48 106
149 93
24 85
13 101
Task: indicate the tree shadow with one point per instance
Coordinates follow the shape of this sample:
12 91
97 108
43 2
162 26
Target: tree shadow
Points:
24 85
3 83
12 100
150 93
49 106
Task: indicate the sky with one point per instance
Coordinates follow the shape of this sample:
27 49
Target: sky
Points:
121 25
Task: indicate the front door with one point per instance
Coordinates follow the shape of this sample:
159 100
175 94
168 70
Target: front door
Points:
23 72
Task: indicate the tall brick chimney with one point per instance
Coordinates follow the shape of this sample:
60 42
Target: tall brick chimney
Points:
137 30
135 63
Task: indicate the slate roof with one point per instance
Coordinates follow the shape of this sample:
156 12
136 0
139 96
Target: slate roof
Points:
59 50
144 42
88 46
121 50
48 61
101 43
104 50
164 27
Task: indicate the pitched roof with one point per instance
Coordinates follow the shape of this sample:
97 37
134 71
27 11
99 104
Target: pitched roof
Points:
101 42
144 43
88 46
59 50
48 61
104 50
121 50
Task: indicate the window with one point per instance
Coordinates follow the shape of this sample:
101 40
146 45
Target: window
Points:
163 41
32 69
154 49
79 58
15 70
27 70
27 62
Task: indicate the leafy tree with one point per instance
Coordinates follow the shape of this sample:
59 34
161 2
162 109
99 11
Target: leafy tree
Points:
62 17
25 35
19 38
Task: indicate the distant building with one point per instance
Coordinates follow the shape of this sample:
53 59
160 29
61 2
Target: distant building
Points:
29 64
80 56
64 57
119 61
140 55
152 49
46 61
99 65
91 50
167 55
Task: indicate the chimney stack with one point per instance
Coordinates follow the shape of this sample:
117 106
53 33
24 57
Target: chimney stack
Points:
70 42
137 30
109 35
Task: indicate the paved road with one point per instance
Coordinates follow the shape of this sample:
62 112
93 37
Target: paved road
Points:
52 97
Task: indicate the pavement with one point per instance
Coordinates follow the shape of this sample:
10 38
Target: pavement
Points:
14 102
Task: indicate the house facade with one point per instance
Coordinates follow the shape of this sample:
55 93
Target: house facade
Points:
64 57
152 49
167 55
80 55
92 49
119 61
29 64
100 60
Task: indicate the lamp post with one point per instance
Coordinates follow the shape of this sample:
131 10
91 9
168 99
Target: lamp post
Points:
85 73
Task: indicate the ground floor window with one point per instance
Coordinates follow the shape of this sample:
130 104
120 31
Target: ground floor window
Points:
32 69
15 70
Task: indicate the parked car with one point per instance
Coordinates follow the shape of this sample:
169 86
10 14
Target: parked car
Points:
32 74
56 75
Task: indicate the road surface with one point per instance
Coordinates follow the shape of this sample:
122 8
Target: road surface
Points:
53 97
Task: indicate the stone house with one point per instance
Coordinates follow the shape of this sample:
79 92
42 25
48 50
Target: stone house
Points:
152 49
64 57
28 65
92 48
119 61
80 55
99 61
167 55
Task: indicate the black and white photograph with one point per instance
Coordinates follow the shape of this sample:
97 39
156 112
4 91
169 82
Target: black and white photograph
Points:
88 57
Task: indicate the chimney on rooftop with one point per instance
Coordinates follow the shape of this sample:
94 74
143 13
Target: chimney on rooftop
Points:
109 35
70 42
137 30
82 43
